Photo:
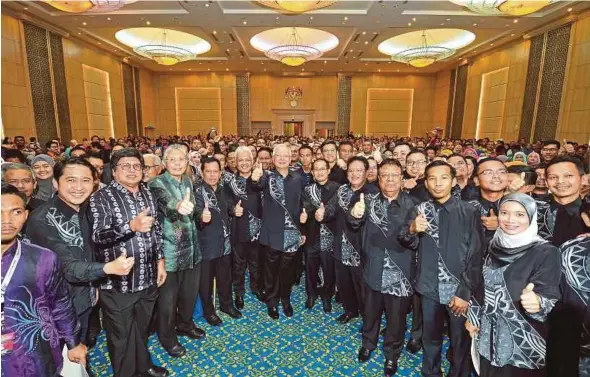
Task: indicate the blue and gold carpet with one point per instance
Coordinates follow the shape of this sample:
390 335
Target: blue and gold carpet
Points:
311 343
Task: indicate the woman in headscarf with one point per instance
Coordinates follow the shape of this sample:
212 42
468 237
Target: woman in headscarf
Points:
519 157
43 168
533 159
508 315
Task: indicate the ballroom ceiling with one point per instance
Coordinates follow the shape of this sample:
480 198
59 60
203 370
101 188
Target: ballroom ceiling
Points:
360 26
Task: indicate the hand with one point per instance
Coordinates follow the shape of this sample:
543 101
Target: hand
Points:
420 224
257 172
161 272
143 222
303 217
490 222
517 183
185 207
78 354
458 306
410 184
472 329
530 300
206 216
303 239
569 148
120 266
359 208
340 162
320 212
238 209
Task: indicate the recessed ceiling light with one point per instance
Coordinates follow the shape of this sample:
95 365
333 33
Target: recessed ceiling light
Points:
311 17
227 69
208 69
398 70
515 21
108 18
214 31
364 32
245 22
409 24
443 24
448 19
79 33
99 43
414 19
148 23
325 61
190 69
264 69
345 18
302 69
366 42
26 8
322 70
359 70
568 9
206 4
378 70
474 24
351 50
277 17
512 35
84 23
366 63
491 44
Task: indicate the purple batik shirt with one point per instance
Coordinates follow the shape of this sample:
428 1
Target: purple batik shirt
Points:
38 310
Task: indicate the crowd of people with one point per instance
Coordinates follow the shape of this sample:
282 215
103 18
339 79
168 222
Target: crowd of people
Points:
485 241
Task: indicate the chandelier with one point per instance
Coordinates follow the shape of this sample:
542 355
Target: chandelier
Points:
293 53
164 53
292 6
89 6
424 55
504 7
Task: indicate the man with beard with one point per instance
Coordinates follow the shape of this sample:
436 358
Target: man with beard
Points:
213 209
319 236
447 233
280 231
388 272
347 240
492 177
245 230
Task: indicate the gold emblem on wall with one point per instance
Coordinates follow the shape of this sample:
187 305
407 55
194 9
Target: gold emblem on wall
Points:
293 94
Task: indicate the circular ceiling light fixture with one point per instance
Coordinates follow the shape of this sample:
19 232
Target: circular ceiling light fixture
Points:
504 7
292 6
164 46
90 6
294 46
419 49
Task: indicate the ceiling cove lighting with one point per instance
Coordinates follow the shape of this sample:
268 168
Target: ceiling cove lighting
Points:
294 46
164 46
90 6
295 7
504 7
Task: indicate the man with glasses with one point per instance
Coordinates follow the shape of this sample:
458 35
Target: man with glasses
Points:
22 177
153 167
492 178
550 150
330 154
388 271
124 223
319 241
173 193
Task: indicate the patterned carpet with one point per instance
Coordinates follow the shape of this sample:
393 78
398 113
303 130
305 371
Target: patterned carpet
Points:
311 343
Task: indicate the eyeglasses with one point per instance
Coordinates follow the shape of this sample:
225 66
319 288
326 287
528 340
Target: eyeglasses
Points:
491 173
329 150
390 176
17 182
549 149
415 163
130 167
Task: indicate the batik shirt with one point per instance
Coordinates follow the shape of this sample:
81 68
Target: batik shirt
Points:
449 252
319 236
179 245
559 223
57 227
247 227
484 207
281 202
575 288
508 334
112 209
389 265
38 310
214 236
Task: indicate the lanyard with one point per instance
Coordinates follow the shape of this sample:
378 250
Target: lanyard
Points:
10 272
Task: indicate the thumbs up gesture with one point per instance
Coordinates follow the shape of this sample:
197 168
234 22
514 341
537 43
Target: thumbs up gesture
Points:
303 217
359 208
517 183
206 216
238 209
120 266
143 222
257 172
185 206
491 221
569 148
320 212
529 299
420 224
410 183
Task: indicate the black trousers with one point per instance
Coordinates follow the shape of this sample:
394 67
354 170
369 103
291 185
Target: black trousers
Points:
563 343
312 269
261 266
220 269
278 277
94 325
246 255
84 319
126 318
396 309
299 263
416 330
176 304
433 314
486 369
351 287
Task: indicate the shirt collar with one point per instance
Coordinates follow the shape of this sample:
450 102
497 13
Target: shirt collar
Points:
449 204
62 207
117 186
11 250
572 208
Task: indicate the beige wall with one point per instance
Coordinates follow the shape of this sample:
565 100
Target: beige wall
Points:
97 94
422 106
514 57
441 99
147 95
575 104
166 100
17 107
75 57
389 111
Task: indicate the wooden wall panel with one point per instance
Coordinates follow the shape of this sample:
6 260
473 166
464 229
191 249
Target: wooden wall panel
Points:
492 103
441 99
389 111
98 101
197 110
